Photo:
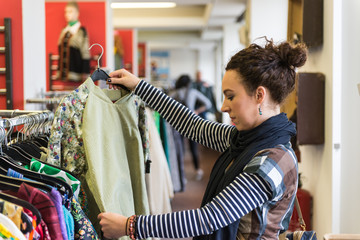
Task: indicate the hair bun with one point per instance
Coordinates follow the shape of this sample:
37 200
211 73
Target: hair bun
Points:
293 55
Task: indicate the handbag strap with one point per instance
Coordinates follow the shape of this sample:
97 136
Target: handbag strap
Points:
301 219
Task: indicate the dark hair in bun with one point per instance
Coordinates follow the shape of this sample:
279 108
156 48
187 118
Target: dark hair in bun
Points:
272 66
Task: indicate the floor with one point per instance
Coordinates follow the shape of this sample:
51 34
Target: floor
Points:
194 189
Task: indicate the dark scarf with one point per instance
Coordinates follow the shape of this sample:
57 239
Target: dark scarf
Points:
243 146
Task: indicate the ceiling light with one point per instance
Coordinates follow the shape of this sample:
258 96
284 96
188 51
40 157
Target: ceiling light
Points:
143 5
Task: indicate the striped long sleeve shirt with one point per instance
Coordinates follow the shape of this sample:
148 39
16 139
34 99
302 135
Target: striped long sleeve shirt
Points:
255 190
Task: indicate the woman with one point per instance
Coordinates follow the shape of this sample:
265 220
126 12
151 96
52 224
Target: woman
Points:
251 191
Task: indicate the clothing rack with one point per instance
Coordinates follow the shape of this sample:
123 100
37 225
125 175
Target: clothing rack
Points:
44 100
51 103
56 93
7 70
12 118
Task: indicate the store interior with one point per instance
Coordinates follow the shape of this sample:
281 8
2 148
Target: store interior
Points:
160 44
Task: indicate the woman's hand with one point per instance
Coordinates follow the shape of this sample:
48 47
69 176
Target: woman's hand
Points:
122 77
112 225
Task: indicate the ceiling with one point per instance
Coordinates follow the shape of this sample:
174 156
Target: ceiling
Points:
202 19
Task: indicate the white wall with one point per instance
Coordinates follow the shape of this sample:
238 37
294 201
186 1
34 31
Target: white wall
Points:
268 18
110 59
350 115
206 65
231 42
332 173
182 61
317 160
34 50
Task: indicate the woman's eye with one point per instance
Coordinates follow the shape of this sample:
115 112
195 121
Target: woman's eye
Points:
230 98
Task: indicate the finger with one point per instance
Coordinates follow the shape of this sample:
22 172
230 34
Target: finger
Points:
117 73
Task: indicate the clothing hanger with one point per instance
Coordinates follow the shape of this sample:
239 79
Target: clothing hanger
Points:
23 204
14 183
100 74
6 163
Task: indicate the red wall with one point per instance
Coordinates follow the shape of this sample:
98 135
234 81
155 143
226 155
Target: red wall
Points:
92 17
12 9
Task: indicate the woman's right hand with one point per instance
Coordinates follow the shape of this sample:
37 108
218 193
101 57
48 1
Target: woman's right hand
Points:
123 77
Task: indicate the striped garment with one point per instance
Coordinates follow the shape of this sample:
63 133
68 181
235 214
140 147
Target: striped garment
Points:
262 195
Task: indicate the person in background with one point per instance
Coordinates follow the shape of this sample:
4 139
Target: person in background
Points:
196 102
73 44
207 90
253 184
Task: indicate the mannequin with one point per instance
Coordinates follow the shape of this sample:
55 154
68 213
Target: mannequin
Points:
73 44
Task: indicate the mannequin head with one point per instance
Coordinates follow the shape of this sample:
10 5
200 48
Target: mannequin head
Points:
71 12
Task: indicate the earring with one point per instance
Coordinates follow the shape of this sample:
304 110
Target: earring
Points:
260 112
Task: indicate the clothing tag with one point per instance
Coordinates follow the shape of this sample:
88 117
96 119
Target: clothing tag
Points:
147 166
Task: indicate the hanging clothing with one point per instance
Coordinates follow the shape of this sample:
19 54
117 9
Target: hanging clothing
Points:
158 183
44 204
12 211
41 167
83 228
41 229
74 53
115 157
57 200
8 229
66 146
86 112
17 215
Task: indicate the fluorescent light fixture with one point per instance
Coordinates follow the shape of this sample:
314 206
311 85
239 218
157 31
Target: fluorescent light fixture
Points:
143 5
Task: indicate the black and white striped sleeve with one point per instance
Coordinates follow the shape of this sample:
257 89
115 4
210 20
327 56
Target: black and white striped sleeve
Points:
210 134
244 194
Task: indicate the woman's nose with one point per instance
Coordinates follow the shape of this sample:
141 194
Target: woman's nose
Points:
224 108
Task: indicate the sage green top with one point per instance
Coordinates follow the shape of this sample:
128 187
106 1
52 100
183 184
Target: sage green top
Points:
114 152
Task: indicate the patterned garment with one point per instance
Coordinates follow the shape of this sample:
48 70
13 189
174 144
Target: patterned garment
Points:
40 167
66 147
84 230
41 229
45 206
12 211
262 196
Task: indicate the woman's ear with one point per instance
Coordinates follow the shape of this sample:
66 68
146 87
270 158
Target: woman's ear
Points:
260 94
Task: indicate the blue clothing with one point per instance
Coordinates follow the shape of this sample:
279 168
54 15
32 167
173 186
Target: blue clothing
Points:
69 222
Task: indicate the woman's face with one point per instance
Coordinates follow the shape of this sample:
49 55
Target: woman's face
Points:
71 14
242 108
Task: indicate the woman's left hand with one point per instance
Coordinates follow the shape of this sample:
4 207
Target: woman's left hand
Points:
113 225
